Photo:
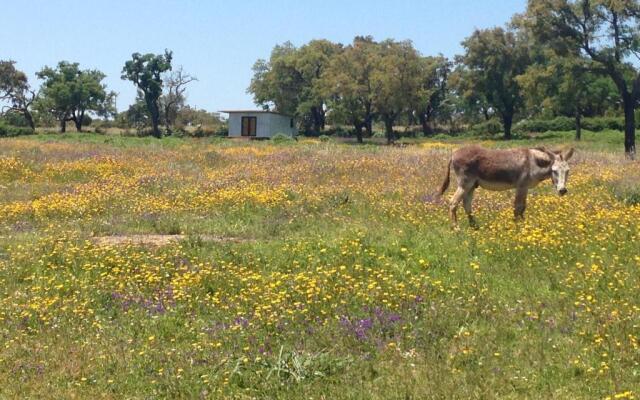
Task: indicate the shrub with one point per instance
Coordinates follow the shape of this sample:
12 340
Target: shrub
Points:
9 130
14 119
379 135
324 138
492 127
544 125
222 130
563 124
206 131
441 136
627 190
598 124
104 123
281 138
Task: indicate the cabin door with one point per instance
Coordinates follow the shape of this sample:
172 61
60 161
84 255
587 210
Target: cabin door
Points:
249 125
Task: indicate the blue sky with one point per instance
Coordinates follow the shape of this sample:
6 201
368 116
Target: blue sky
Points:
218 41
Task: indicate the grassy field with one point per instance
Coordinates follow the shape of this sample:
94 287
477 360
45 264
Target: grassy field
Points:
310 270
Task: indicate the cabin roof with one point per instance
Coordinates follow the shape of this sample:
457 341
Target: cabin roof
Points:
253 112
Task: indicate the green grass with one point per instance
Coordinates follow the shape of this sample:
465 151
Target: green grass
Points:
340 282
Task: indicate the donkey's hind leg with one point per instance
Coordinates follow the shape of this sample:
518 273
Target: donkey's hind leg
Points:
467 201
453 205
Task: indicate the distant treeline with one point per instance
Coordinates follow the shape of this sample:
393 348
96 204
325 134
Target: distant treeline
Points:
71 94
559 58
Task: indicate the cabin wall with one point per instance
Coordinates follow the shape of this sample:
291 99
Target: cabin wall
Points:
282 124
235 125
267 124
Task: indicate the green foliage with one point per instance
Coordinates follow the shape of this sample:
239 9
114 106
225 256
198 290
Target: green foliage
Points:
205 131
563 124
145 71
565 86
346 84
598 124
493 59
395 82
189 116
137 116
9 130
606 33
324 138
15 119
432 92
281 138
69 94
490 127
543 125
290 81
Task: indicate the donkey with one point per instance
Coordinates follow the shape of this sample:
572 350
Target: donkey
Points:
490 169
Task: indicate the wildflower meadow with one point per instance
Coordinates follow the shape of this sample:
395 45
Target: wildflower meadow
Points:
311 269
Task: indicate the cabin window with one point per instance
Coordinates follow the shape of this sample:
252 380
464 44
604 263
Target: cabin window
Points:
249 125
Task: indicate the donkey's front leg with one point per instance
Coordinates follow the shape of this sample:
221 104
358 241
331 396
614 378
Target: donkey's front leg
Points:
520 202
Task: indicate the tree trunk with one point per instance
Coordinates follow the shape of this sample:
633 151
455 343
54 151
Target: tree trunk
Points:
318 120
578 125
323 118
368 120
426 127
629 127
388 129
155 120
507 121
63 125
29 118
155 127
359 127
77 120
411 118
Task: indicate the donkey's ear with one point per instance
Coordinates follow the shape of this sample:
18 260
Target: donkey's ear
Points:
567 154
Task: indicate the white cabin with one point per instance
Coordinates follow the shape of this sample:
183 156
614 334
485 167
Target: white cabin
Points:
260 124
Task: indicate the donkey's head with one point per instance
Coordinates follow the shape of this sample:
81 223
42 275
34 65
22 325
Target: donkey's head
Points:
560 170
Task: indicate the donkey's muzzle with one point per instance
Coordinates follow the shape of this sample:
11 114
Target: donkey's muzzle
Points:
562 192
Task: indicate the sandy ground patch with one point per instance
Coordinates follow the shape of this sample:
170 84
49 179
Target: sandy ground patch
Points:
158 240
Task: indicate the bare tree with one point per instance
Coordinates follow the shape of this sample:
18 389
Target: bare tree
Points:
173 100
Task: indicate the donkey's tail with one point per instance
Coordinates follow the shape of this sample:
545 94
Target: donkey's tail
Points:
445 184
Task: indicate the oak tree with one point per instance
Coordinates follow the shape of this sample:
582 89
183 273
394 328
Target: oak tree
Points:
145 71
606 32
493 59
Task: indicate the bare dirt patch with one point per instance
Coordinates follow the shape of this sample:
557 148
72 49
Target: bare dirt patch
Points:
158 240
